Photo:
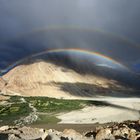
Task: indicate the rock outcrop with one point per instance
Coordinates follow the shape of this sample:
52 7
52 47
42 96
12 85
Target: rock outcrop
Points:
120 131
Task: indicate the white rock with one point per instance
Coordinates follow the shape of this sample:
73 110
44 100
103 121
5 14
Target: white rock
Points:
3 128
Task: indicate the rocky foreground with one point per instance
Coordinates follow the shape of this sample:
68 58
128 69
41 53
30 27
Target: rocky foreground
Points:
129 130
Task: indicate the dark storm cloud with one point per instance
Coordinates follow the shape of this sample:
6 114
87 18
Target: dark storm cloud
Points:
120 17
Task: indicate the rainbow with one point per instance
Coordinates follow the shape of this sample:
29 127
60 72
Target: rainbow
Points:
88 52
80 28
80 51
51 28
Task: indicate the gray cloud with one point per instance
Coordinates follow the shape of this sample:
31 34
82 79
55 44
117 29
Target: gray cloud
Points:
120 17
117 16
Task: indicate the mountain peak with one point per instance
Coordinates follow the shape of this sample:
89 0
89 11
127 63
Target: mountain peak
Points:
42 78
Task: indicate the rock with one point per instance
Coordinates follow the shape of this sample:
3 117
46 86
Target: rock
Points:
52 136
99 128
124 132
48 138
13 137
53 131
44 135
105 134
41 130
116 132
120 131
63 138
91 134
138 137
3 128
72 134
132 134
138 122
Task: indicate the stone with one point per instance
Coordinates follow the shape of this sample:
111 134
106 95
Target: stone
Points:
13 137
124 132
132 134
116 132
138 122
4 128
44 135
70 134
104 134
127 131
52 136
91 134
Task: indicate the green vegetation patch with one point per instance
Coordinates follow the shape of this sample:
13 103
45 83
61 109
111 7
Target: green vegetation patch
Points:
14 99
47 119
50 105
12 112
47 108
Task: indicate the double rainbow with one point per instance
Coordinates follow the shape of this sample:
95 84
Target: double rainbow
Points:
77 50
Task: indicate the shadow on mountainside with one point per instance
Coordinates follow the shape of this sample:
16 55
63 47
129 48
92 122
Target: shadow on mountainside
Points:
92 90
82 66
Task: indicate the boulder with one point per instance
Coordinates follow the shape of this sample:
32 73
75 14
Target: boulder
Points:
4 128
104 134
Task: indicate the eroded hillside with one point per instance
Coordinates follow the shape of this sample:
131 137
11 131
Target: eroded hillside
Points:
42 78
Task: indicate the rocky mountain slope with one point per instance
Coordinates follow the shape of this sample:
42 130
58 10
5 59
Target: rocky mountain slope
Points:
42 78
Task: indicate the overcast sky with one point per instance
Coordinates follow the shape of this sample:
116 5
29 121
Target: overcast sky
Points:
17 17
118 16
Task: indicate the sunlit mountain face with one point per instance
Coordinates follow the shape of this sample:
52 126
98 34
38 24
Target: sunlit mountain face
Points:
87 37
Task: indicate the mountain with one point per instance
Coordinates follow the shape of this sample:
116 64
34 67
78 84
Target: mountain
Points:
2 83
44 78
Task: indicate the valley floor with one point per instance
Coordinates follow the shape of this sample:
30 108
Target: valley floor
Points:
112 112
70 113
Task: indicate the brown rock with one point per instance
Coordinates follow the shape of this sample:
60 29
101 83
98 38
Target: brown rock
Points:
116 132
104 134
139 122
132 134
138 137
71 132
124 131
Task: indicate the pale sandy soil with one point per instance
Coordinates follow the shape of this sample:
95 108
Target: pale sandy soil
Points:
2 98
102 114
